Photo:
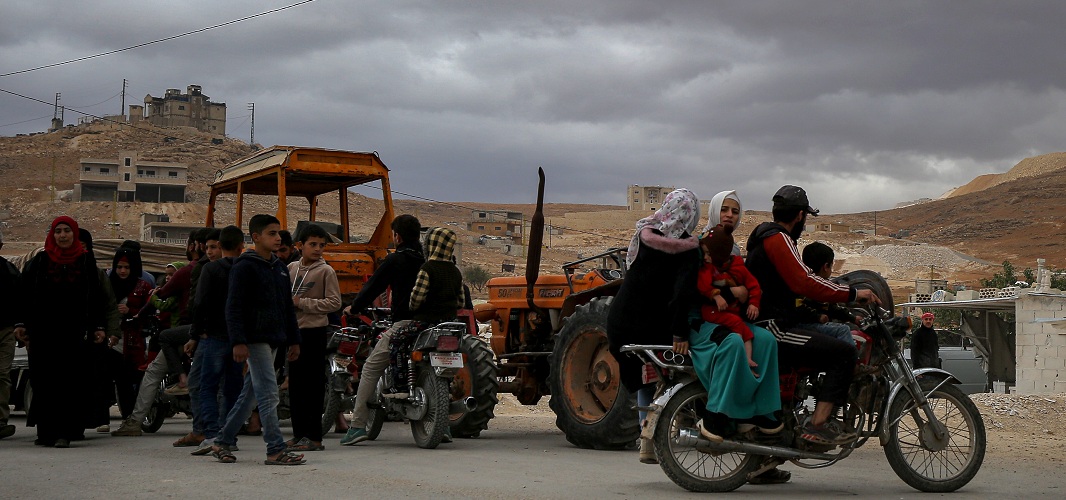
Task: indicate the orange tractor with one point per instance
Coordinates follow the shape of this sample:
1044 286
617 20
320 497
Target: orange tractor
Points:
549 336
310 174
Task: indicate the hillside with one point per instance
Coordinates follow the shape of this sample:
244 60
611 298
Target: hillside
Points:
1014 219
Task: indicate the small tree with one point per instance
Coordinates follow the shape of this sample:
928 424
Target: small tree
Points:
1007 277
476 276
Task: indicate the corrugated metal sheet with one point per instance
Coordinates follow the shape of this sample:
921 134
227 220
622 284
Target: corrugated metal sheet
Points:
264 160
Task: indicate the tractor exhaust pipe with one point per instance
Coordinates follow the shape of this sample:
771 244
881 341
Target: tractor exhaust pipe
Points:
462 406
536 238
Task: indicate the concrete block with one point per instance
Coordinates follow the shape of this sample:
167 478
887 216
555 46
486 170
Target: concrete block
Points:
1060 386
967 295
1024 386
1026 316
1050 376
1054 363
1031 328
1062 351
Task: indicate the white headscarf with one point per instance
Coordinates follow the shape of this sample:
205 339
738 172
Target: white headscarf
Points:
679 215
715 216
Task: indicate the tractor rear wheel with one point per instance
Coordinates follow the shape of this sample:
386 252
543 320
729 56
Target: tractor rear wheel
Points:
591 406
477 379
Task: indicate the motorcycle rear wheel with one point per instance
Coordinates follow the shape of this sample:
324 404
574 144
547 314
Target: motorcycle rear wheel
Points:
429 431
153 420
931 465
476 379
686 466
375 417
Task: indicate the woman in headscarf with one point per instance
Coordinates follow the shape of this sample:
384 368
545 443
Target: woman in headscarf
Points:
738 400
652 305
131 294
63 313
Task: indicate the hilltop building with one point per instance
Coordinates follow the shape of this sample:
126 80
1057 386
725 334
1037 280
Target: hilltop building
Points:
129 178
646 198
191 109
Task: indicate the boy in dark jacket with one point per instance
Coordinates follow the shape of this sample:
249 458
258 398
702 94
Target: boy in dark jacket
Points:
213 351
438 292
259 318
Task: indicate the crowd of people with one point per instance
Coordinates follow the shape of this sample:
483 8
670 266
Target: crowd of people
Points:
741 320
227 309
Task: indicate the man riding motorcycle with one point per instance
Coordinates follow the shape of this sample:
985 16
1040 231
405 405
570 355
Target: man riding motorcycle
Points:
775 261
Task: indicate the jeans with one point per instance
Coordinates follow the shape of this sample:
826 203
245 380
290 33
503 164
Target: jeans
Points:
372 370
153 375
217 369
260 385
193 384
836 330
7 354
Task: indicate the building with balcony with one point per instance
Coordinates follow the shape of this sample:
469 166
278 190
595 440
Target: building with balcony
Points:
191 109
128 178
497 223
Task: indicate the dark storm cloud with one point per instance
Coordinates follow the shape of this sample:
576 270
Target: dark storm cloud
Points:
864 103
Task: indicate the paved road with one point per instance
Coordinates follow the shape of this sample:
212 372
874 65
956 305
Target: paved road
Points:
519 457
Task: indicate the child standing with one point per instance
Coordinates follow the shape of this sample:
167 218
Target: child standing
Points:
315 293
259 318
819 257
722 269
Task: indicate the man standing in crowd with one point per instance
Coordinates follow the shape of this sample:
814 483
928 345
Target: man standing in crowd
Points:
9 277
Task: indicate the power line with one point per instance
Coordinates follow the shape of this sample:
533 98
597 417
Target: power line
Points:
139 45
25 121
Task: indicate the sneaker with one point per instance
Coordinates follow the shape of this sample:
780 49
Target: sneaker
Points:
828 433
204 448
129 427
354 435
176 390
707 434
103 429
772 476
764 424
7 430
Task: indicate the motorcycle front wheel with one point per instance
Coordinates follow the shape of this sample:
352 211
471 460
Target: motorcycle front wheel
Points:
922 459
375 417
155 416
687 466
429 431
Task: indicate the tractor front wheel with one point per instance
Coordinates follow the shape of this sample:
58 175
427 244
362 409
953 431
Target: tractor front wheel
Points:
591 406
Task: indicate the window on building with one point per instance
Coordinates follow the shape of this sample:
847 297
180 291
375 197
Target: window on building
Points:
172 174
149 173
140 172
104 170
481 228
128 162
161 235
86 169
497 228
126 176
181 108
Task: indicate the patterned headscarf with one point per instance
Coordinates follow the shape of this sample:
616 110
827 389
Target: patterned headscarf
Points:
679 215
59 255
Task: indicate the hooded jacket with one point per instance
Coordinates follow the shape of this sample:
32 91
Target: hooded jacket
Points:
319 292
775 262
438 292
258 305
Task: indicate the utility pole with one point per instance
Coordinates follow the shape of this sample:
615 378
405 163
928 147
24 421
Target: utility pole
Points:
875 222
251 107
122 110
53 185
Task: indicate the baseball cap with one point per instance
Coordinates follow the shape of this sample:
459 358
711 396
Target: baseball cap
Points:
928 316
793 196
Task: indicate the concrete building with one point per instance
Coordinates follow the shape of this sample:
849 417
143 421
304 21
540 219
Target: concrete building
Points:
835 227
499 223
646 198
191 109
157 228
130 179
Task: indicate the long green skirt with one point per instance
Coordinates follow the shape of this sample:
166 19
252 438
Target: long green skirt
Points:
723 369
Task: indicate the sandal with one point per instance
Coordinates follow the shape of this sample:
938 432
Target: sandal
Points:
285 458
304 444
189 439
223 454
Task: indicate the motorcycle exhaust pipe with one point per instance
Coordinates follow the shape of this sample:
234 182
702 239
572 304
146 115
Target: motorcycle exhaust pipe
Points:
691 437
462 406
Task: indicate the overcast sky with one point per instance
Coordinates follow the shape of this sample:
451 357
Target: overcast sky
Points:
865 104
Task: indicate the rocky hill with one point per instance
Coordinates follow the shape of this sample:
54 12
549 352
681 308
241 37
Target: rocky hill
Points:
1012 217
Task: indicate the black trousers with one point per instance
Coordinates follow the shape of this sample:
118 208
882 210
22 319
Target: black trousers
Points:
804 349
307 385
171 345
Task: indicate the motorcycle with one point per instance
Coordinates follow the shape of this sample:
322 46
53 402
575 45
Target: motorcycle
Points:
932 433
165 405
346 350
416 387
